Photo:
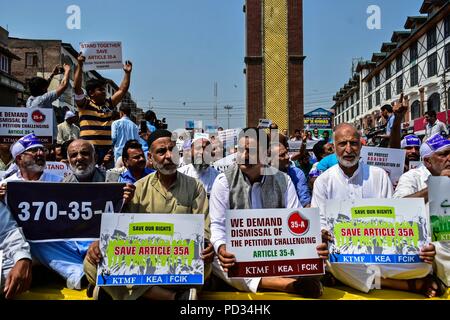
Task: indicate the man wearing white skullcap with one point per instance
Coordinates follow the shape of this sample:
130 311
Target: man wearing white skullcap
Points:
63 257
200 166
68 130
435 153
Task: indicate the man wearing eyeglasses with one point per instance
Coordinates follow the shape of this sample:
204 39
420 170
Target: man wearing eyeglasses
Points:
62 256
29 154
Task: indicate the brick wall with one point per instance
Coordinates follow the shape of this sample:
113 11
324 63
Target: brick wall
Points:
48 53
253 62
295 68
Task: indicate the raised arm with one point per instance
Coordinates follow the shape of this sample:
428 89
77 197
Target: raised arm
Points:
65 81
123 89
78 78
399 108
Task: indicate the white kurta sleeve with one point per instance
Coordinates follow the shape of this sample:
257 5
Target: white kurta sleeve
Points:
218 204
319 199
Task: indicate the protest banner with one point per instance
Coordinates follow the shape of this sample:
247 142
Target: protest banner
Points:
101 55
229 138
391 160
200 135
151 249
62 211
439 196
274 242
387 231
193 124
18 122
414 164
310 144
318 118
224 163
59 169
294 146
264 123
212 129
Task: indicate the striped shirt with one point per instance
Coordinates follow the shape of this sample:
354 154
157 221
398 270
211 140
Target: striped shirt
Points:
95 123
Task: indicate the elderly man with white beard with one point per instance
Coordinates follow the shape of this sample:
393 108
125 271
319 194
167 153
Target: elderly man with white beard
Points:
352 179
62 256
82 159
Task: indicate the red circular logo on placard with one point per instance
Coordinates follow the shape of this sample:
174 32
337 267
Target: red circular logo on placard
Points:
38 116
298 224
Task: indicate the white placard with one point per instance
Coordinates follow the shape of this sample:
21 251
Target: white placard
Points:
414 164
391 160
59 169
224 163
151 249
439 195
386 231
274 242
102 55
200 135
18 122
264 123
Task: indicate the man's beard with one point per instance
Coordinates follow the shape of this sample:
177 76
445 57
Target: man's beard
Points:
162 169
83 174
32 166
346 163
200 166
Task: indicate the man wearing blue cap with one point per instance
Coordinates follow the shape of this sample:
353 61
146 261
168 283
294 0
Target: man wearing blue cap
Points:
63 257
411 144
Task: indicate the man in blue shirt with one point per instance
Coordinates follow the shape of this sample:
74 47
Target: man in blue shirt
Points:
134 160
327 162
150 117
297 176
388 114
123 130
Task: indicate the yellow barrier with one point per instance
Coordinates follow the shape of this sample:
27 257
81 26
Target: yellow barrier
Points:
335 293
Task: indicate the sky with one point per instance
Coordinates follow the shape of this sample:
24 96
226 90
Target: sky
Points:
180 48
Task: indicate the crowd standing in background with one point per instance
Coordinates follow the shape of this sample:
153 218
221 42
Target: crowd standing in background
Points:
171 173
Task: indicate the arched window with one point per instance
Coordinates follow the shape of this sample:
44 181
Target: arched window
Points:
434 102
415 110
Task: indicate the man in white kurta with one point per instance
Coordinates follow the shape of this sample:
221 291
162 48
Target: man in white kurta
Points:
435 153
200 168
257 180
352 179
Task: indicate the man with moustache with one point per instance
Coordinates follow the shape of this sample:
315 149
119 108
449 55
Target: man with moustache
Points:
411 144
133 158
352 179
64 257
200 167
165 191
435 153
297 176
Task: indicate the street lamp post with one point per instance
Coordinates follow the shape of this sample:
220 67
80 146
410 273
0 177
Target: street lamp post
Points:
228 108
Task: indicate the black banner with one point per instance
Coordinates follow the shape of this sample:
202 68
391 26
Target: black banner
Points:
56 211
